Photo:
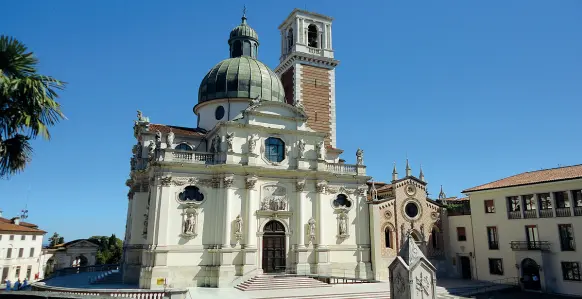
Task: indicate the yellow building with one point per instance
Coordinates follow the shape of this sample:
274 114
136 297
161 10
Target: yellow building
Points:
524 226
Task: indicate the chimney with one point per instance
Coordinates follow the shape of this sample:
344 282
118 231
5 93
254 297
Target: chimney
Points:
16 220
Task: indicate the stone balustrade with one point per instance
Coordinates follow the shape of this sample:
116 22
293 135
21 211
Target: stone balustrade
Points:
341 168
171 155
124 293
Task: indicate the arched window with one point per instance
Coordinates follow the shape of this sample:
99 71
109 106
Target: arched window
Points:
274 149
435 237
183 147
247 48
312 36
237 49
388 237
289 39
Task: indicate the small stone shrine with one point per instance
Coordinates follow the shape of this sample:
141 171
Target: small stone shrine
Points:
412 276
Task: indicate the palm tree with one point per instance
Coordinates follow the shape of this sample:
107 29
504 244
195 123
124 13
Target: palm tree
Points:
27 105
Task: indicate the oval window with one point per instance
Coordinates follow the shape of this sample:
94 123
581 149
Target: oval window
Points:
274 149
219 113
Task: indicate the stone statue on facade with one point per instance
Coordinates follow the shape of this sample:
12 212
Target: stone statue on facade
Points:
252 143
360 157
152 151
215 146
170 139
141 118
311 224
299 105
238 228
343 225
229 140
190 224
300 148
158 138
320 148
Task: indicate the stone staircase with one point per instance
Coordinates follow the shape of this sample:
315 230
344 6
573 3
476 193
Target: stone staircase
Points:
275 282
360 295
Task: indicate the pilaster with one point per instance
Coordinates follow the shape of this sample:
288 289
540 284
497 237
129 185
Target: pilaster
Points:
227 183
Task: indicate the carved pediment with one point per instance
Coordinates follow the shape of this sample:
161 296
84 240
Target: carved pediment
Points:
82 244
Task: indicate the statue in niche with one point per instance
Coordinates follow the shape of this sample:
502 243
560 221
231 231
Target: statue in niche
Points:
190 223
360 157
300 148
170 139
343 225
252 143
229 140
311 224
320 148
239 223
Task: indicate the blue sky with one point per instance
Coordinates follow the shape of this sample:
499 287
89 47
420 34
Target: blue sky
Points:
472 90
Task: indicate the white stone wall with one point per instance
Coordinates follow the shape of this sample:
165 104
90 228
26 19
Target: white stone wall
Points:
23 262
206 111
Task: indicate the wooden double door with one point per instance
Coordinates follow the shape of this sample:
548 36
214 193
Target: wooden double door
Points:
274 253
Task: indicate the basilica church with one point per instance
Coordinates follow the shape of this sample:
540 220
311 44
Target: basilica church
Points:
259 185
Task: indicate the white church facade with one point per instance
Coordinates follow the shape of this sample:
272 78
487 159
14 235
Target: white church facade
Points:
259 186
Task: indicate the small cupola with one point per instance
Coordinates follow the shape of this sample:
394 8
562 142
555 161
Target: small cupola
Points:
243 40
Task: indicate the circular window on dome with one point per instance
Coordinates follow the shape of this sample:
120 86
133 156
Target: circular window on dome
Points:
219 113
411 209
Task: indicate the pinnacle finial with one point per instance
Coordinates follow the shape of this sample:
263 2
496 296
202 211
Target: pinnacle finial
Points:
408 170
244 16
421 175
394 173
442 194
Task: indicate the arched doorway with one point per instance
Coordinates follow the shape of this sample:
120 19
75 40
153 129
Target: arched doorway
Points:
530 274
80 261
465 267
274 259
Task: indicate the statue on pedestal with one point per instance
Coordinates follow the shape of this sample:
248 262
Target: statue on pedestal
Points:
300 148
311 224
359 157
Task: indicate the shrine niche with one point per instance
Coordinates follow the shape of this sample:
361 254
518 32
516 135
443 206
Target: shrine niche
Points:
274 198
342 202
189 223
191 195
412 276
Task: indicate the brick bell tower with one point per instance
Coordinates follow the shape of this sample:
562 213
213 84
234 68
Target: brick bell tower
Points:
307 69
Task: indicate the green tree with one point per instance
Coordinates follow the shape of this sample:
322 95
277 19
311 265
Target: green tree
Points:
27 105
110 249
56 240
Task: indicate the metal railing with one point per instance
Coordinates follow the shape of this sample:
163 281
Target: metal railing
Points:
530 245
329 279
528 214
546 213
77 270
577 211
494 245
563 212
514 214
124 293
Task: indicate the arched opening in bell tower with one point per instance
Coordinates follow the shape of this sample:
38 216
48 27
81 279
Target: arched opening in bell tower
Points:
290 40
312 36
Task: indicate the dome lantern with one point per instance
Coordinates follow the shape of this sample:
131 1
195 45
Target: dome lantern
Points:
243 40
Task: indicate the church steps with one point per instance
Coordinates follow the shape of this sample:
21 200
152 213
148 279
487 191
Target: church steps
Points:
366 295
280 282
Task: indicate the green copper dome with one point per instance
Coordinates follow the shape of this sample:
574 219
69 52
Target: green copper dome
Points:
241 77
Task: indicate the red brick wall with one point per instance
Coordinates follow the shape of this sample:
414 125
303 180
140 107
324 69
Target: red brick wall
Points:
315 91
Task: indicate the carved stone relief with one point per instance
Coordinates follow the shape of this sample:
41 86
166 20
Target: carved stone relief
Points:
189 223
320 187
229 141
250 182
343 226
274 198
238 234
311 224
300 185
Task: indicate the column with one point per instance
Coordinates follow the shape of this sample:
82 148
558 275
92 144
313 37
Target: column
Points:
320 189
250 206
536 199
571 201
227 183
301 198
554 206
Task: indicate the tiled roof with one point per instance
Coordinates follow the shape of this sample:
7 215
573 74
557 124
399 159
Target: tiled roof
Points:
165 129
533 177
6 225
